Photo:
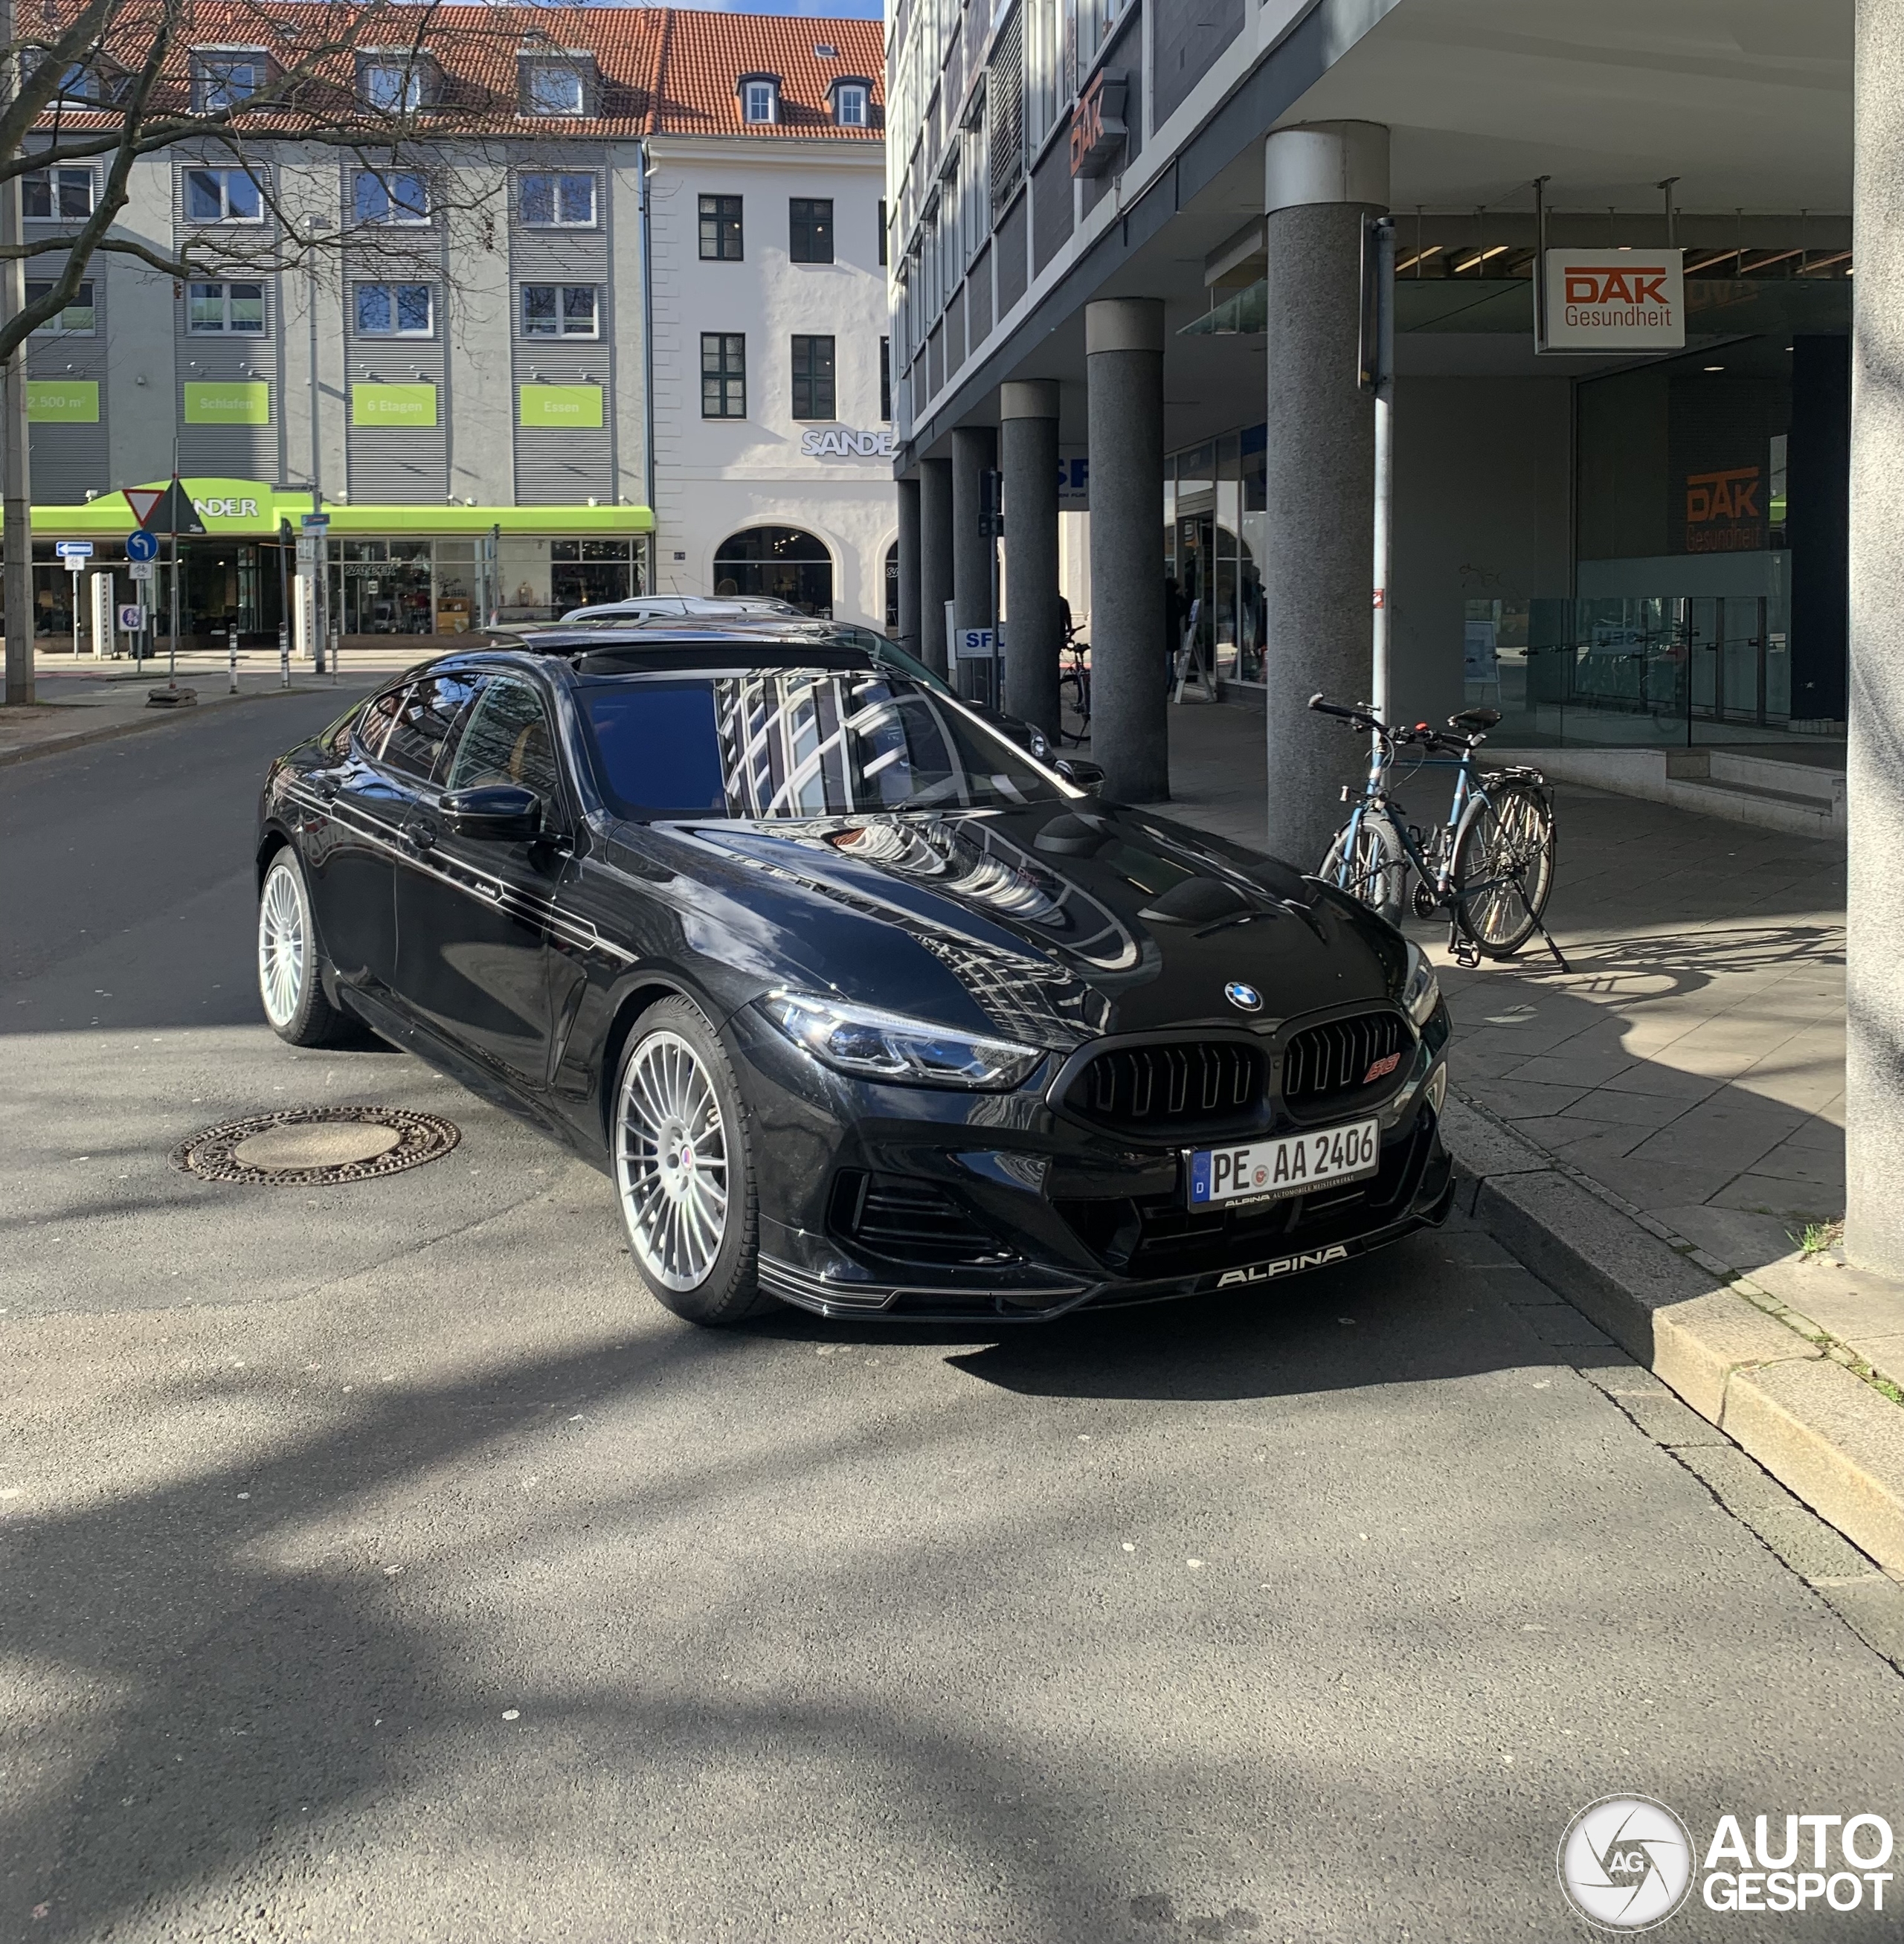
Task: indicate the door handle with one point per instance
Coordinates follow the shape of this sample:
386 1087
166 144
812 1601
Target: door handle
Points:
418 835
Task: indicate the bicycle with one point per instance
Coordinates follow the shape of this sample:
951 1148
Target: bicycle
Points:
1490 866
1074 687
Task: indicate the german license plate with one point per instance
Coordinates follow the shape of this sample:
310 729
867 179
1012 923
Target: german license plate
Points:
1294 1165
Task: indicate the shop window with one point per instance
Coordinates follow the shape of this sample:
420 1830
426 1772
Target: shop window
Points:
558 310
813 378
585 573
77 320
394 310
724 374
720 228
809 228
56 195
549 201
222 195
226 309
784 562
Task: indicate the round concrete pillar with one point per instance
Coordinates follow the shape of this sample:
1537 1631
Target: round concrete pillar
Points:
1874 997
1027 456
974 453
1124 348
908 564
1322 183
935 559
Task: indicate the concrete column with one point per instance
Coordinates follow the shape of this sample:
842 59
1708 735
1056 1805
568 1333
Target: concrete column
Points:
1123 347
1322 182
935 559
1028 441
974 452
908 565
1873 998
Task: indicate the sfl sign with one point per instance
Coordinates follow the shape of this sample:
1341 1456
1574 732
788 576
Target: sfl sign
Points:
1611 300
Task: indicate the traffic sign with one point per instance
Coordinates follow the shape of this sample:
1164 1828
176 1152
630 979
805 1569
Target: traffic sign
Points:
72 550
140 569
144 502
975 645
315 523
141 545
132 620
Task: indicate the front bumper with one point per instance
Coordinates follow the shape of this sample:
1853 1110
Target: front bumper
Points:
1007 1211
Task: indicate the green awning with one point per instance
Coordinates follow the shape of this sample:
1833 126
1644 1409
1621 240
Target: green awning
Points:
248 509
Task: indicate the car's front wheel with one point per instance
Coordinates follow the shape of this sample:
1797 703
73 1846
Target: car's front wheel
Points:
683 1168
288 981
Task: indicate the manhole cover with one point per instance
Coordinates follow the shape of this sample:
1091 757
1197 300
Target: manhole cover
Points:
305 1146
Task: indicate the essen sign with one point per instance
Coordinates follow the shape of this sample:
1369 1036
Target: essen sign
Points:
1611 300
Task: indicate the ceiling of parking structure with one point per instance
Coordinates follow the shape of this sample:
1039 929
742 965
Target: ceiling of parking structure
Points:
1747 102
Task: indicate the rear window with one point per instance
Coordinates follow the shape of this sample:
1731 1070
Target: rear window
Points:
784 744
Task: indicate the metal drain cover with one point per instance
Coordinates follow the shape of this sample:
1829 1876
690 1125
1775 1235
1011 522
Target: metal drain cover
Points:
304 1147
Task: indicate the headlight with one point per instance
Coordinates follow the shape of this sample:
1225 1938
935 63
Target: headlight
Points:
1422 991
876 1045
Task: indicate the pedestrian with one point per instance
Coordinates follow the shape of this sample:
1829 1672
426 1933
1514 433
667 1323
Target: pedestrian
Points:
1173 627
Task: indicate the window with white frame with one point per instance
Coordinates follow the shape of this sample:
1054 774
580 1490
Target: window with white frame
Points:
222 195
79 83
548 200
395 310
851 102
226 309
222 78
760 98
56 195
392 86
398 196
552 87
76 320
558 310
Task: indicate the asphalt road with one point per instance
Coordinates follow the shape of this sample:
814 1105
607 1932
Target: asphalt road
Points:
381 1564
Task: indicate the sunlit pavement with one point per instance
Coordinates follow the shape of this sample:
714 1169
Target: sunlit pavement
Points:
380 1562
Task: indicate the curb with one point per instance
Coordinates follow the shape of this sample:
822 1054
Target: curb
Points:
1783 1389
110 732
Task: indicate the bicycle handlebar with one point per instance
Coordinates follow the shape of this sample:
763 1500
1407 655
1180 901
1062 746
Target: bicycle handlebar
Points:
1421 734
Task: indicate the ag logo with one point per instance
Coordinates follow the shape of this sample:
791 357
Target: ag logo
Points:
1626 1862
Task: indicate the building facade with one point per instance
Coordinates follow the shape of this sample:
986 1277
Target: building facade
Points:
449 355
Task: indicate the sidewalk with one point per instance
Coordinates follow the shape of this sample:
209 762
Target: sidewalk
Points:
1684 1083
93 701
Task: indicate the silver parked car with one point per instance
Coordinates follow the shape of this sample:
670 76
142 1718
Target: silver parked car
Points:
677 607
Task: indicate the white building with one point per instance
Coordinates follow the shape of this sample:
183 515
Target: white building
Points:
772 393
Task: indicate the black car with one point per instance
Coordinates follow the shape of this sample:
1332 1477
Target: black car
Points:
861 1008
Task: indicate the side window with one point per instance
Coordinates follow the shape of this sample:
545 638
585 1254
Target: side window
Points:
424 722
507 741
372 724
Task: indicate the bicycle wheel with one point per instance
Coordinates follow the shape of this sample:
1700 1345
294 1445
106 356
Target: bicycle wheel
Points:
1366 860
1503 867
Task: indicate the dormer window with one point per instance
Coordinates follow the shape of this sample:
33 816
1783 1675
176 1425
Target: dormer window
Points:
553 88
760 98
852 97
393 84
222 78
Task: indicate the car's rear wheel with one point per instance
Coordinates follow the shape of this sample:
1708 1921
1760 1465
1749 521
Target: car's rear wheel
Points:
684 1168
288 981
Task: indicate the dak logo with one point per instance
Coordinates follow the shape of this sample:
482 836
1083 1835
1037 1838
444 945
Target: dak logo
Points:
1617 284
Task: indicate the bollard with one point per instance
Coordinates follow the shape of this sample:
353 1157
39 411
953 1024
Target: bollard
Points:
336 653
284 655
231 660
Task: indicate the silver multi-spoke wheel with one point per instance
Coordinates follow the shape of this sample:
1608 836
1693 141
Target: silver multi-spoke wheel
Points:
671 1162
284 943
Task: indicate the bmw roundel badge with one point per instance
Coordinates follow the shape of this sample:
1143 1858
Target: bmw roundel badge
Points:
1245 998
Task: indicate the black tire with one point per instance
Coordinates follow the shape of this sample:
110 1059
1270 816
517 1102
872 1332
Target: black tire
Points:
290 983
1505 852
664 1191
1366 860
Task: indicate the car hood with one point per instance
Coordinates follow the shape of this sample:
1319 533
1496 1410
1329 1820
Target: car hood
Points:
1056 923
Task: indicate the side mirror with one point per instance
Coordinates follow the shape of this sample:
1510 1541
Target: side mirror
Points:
504 813
1081 774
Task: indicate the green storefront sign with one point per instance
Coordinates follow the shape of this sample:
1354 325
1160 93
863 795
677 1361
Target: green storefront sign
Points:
568 405
411 406
62 402
242 402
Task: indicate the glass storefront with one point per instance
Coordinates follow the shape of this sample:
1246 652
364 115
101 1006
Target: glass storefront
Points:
1214 536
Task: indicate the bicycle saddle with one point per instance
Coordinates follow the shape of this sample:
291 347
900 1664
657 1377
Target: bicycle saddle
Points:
1474 719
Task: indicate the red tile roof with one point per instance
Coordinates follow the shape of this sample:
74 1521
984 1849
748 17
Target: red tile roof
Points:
661 70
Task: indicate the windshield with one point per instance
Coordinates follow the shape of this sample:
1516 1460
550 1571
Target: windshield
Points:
797 744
